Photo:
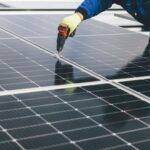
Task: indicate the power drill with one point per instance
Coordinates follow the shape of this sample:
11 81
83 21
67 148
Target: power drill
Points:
63 33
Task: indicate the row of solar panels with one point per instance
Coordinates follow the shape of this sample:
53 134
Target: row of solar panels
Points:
101 116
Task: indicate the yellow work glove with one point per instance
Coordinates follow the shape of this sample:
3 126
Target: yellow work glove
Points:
72 22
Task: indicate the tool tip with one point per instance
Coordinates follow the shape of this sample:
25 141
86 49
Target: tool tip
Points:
58 56
59 50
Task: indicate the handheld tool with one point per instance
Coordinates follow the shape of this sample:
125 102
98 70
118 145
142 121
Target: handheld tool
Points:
63 33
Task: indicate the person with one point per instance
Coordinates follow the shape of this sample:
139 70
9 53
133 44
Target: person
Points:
139 9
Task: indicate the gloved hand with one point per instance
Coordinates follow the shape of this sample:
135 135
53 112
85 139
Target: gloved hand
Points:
72 21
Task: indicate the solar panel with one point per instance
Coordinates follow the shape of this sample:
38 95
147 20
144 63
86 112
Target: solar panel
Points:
3 6
45 5
105 59
142 86
85 118
25 66
102 48
46 25
4 35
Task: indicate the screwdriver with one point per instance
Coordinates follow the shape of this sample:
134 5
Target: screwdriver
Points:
63 33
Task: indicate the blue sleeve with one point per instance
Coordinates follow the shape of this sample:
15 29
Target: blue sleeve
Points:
90 8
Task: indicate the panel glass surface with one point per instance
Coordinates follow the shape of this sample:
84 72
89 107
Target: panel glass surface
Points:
46 25
4 35
25 66
110 51
109 57
94 117
100 116
142 86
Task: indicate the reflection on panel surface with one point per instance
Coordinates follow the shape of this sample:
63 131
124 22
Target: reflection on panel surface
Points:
24 66
46 25
110 51
111 58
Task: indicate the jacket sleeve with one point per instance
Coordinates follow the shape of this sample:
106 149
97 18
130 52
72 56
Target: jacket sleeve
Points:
90 8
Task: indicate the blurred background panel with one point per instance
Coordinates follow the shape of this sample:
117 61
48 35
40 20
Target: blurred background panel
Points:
44 4
41 4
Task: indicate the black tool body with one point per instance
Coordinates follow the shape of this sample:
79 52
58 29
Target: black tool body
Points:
63 33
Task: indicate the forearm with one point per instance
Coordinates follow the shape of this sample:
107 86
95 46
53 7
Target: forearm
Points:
80 15
90 8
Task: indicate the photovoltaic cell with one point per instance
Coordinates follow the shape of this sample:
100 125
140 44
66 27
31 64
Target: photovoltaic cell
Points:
9 145
59 120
